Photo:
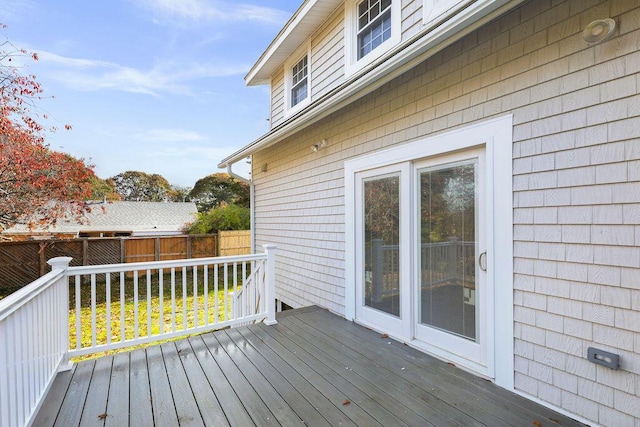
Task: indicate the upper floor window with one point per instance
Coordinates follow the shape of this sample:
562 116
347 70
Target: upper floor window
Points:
374 25
372 28
299 82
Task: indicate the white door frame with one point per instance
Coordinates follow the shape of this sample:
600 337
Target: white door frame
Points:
400 326
496 137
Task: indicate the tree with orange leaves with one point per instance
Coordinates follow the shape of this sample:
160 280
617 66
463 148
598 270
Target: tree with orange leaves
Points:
38 186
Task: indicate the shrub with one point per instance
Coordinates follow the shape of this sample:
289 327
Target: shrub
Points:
230 217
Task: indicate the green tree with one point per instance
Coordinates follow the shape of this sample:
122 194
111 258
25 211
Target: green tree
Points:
230 217
142 187
219 189
103 189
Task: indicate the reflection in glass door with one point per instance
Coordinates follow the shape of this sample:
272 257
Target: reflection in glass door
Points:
448 248
381 232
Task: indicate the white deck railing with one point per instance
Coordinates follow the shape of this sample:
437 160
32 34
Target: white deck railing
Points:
74 311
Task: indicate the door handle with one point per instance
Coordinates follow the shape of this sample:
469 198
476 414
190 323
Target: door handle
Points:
482 261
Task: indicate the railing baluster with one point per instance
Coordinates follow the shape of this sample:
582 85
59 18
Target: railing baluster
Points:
149 308
122 298
173 299
184 298
135 304
226 291
216 314
195 296
235 282
107 281
161 299
205 278
93 310
78 314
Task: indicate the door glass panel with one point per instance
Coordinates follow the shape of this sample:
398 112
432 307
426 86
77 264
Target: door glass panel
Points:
381 242
448 247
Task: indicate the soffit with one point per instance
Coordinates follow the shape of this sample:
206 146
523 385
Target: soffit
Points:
311 15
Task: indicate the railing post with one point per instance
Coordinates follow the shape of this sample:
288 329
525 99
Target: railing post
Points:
377 261
62 263
270 284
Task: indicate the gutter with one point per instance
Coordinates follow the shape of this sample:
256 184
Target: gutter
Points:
381 72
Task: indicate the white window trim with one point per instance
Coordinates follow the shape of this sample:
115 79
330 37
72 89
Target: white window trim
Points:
497 137
352 63
303 51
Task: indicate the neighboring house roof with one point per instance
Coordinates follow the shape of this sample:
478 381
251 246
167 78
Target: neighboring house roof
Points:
155 217
401 58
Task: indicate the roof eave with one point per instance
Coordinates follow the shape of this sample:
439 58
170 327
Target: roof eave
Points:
299 27
404 57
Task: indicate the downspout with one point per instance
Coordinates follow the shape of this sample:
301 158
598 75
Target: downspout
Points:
251 203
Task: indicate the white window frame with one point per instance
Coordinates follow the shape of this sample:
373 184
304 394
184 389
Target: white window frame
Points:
496 136
305 50
352 63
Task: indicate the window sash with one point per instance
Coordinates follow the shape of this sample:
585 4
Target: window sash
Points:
374 25
299 87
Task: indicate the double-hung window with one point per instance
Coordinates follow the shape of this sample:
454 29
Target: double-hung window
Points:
372 28
299 81
374 25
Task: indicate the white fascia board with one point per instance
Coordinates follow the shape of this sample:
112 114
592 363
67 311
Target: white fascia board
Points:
396 62
301 25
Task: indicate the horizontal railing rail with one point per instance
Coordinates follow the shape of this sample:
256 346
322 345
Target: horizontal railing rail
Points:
123 305
116 306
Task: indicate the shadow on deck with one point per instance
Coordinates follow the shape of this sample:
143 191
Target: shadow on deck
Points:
312 368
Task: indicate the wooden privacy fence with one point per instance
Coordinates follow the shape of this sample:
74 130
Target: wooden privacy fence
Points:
23 262
235 242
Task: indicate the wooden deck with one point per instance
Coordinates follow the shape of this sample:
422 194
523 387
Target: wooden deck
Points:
312 368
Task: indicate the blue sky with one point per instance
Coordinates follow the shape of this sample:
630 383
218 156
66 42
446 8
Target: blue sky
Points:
149 85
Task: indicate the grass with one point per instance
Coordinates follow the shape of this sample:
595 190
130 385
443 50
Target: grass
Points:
148 292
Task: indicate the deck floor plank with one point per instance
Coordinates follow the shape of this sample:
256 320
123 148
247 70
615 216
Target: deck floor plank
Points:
164 410
118 399
140 407
76 394
312 368
449 381
271 397
185 402
463 405
205 398
329 390
277 370
255 406
415 398
366 397
51 406
304 411
383 393
95 405
234 410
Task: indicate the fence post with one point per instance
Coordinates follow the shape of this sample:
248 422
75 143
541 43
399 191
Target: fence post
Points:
270 284
57 264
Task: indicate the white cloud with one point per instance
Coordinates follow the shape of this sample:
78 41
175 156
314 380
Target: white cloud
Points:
206 10
12 9
93 75
171 135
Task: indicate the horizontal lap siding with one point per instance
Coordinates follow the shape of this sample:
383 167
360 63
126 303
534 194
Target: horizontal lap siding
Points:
327 53
576 180
277 98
